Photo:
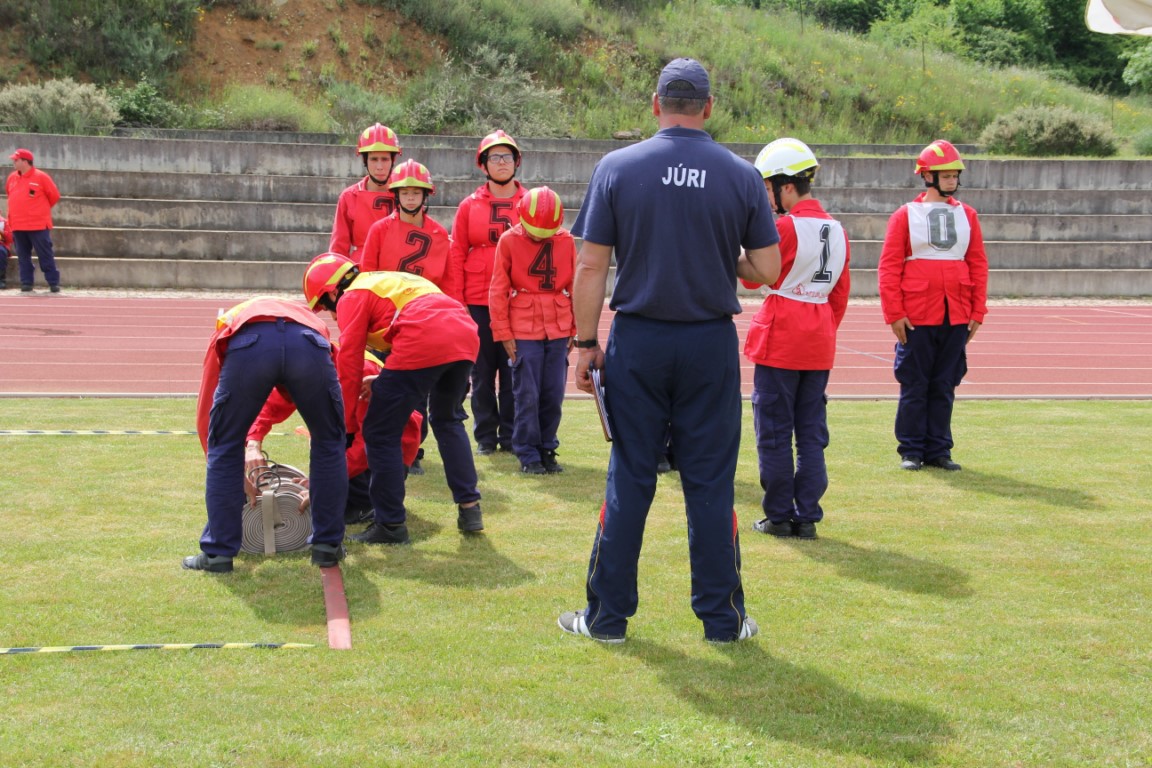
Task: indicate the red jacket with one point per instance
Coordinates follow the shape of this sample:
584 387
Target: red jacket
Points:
919 288
30 200
397 246
479 222
793 334
404 315
261 308
357 209
531 292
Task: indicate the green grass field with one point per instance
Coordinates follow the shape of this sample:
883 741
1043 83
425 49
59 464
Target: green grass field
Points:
996 617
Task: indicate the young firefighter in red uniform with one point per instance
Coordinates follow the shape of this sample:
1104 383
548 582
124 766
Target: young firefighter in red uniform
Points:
279 407
409 240
480 220
368 200
933 278
531 306
431 342
260 345
792 341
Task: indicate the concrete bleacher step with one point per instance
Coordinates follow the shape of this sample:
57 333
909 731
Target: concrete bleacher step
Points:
575 163
317 217
198 212
1031 226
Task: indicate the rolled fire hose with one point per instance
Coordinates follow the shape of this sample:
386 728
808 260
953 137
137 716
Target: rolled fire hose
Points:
275 523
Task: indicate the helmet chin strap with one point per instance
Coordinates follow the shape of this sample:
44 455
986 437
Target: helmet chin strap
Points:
509 180
376 181
417 209
935 184
777 186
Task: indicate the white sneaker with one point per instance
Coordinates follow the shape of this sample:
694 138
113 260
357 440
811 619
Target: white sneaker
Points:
748 630
573 623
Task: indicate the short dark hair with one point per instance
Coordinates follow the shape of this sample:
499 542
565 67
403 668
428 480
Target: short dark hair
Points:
803 184
676 106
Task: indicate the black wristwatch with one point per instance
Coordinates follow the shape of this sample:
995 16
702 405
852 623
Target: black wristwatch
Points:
585 343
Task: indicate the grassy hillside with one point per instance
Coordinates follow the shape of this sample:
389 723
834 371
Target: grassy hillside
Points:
576 67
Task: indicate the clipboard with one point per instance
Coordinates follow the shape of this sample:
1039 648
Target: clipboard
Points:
601 406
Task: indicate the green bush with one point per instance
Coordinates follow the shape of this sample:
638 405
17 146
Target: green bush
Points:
103 39
1047 131
532 32
1138 72
259 108
847 15
353 108
57 106
1004 31
1142 142
491 91
924 24
142 105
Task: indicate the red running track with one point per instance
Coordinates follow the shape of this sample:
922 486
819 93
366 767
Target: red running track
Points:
69 345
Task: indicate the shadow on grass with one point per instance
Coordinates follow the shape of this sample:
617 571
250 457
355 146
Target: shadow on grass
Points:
779 700
886 568
1011 488
291 591
476 562
432 490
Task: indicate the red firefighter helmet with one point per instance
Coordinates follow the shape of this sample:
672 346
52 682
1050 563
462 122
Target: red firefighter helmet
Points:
493 140
940 155
323 279
378 138
412 174
541 213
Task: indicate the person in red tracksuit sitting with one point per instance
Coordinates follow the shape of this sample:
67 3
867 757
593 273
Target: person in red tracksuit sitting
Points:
368 200
792 341
431 342
933 279
531 307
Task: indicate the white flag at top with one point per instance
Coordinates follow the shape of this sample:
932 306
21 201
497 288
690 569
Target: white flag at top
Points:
1119 17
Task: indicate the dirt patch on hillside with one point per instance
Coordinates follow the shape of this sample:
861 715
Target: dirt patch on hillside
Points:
304 43
295 44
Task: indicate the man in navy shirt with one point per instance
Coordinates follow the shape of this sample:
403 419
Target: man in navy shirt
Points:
677 210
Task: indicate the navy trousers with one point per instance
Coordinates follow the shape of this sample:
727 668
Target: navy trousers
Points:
395 394
539 376
929 368
25 241
686 375
492 403
789 403
261 356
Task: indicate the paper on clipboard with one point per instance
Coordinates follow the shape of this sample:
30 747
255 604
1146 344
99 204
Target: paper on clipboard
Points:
601 407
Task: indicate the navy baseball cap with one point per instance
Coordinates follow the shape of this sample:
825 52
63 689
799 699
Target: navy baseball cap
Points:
684 79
